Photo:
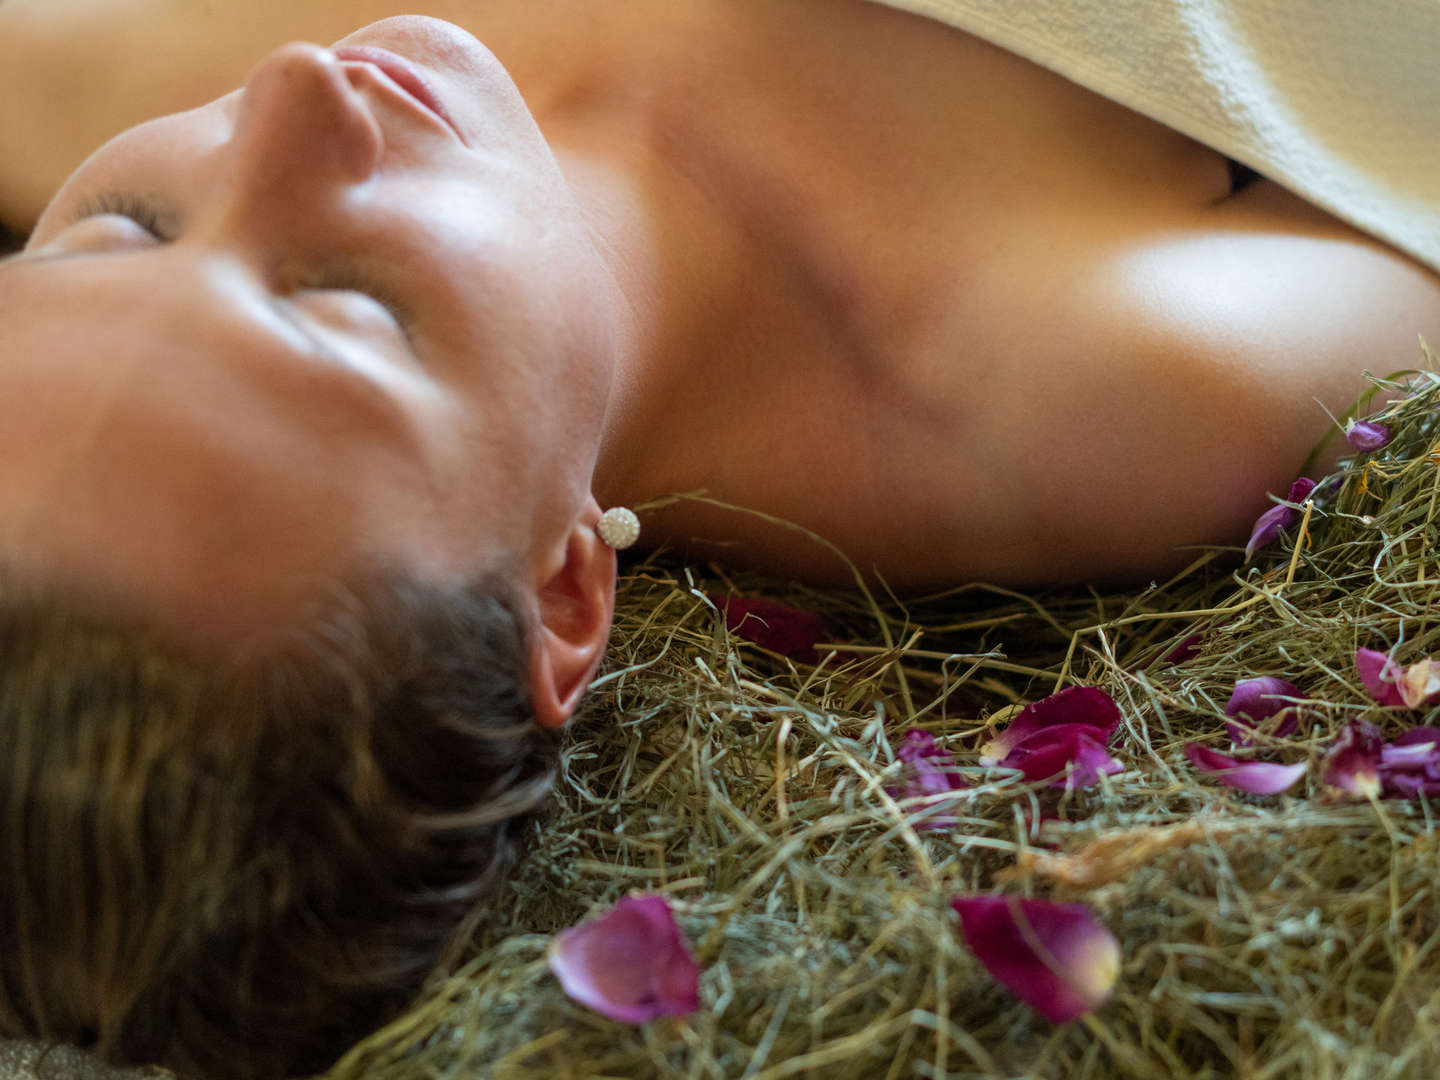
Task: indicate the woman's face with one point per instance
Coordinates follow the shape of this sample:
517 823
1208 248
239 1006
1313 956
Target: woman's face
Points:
331 318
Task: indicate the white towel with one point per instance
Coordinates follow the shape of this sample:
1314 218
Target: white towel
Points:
1337 100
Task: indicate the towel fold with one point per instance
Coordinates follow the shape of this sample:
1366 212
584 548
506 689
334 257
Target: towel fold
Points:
1338 101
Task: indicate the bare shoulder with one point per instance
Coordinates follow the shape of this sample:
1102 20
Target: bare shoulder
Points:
1159 381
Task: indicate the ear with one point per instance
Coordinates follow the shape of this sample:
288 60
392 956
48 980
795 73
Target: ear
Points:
576 605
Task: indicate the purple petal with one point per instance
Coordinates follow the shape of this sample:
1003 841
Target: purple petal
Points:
927 769
632 964
1088 705
1352 764
1366 434
1408 785
1410 765
772 625
1068 755
1418 736
1380 675
1057 958
1254 701
1268 525
1188 649
1255 777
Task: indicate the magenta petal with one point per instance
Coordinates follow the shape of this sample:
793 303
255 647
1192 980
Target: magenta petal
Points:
772 625
1088 705
1068 755
1352 764
632 964
1268 525
1188 649
927 769
1380 675
1410 765
1419 736
1254 701
1366 434
1408 785
1255 777
1057 958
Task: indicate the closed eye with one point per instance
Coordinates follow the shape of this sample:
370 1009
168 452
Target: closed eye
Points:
145 214
350 279
140 211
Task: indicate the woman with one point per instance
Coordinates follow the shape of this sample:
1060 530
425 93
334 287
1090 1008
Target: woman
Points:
312 396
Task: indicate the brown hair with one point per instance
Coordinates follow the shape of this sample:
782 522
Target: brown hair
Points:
10 242
236 868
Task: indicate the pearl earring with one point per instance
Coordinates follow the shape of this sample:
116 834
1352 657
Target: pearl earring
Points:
618 527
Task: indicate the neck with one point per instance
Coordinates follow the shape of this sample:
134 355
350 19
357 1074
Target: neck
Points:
673 262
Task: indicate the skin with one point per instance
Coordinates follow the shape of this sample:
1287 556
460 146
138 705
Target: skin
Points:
676 253
210 496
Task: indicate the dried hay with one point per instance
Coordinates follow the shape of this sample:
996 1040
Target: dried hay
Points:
1263 937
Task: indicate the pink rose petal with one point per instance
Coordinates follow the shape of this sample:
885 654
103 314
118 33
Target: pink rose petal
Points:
1069 755
1255 777
1254 701
1278 517
1410 764
1366 435
1418 738
1057 958
1188 649
632 964
1352 764
1086 705
927 769
789 631
1380 675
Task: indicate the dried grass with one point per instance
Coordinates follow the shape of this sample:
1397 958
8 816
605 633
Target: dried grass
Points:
1285 936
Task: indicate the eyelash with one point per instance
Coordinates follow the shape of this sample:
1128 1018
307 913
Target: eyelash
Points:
354 281
145 215
127 206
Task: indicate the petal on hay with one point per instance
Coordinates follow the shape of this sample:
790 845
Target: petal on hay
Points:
1069 755
1057 958
1253 701
1352 764
1268 525
632 964
1366 434
926 769
1088 705
1380 675
1410 765
1255 777
1420 684
789 631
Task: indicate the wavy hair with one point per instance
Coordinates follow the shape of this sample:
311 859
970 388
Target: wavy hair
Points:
236 867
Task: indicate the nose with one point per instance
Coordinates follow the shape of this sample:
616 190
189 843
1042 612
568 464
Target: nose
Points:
300 124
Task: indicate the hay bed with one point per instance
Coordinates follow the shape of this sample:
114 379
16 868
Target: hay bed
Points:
1263 937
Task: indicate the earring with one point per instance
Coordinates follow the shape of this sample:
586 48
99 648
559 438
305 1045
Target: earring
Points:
618 527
